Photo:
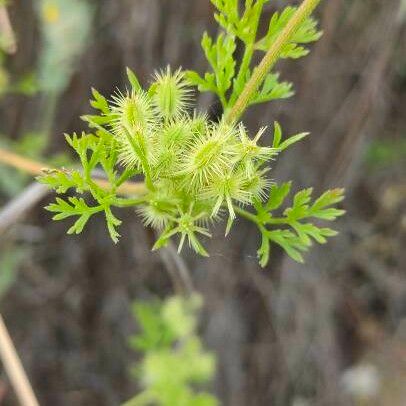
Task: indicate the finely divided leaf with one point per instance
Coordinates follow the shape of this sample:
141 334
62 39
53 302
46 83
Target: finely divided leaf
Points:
300 236
277 195
61 180
306 33
73 207
220 56
99 102
272 89
132 78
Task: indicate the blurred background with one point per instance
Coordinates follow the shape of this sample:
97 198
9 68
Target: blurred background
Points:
329 332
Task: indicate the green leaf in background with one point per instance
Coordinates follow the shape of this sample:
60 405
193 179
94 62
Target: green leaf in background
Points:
174 362
386 153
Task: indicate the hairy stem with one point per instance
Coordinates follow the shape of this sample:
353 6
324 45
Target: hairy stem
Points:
270 58
251 217
14 368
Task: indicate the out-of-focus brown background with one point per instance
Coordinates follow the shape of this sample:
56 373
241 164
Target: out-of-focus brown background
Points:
287 335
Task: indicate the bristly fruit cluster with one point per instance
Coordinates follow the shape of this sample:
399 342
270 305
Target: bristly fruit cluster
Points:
195 171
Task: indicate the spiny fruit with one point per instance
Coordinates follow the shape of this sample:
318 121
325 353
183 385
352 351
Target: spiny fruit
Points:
196 170
189 160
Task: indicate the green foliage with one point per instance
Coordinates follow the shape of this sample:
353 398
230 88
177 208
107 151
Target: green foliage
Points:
92 151
25 85
175 362
195 171
230 75
301 233
305 34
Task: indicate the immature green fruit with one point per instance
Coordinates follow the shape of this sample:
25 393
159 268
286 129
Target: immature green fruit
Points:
226 188
170 93
131 111
195 169
189 228
161 207
258 184
169 144
131 123
210 156
251 154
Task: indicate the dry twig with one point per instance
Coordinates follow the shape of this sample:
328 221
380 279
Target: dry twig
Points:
14 368
8 39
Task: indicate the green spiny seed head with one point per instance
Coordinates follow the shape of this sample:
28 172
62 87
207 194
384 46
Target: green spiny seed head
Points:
135 149
226 188
210 155
131 111
250 153
176 134
199 124
170 93
170 142
188 227
152 215
167 163
258 184
132 124
161 208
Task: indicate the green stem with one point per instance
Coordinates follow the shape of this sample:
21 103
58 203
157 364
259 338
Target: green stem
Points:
96 209
127 174
246 214
278 220
94 189
270 58
249 216
129 202
223 100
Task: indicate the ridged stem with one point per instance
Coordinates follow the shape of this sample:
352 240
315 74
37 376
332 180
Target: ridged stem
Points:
270 58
